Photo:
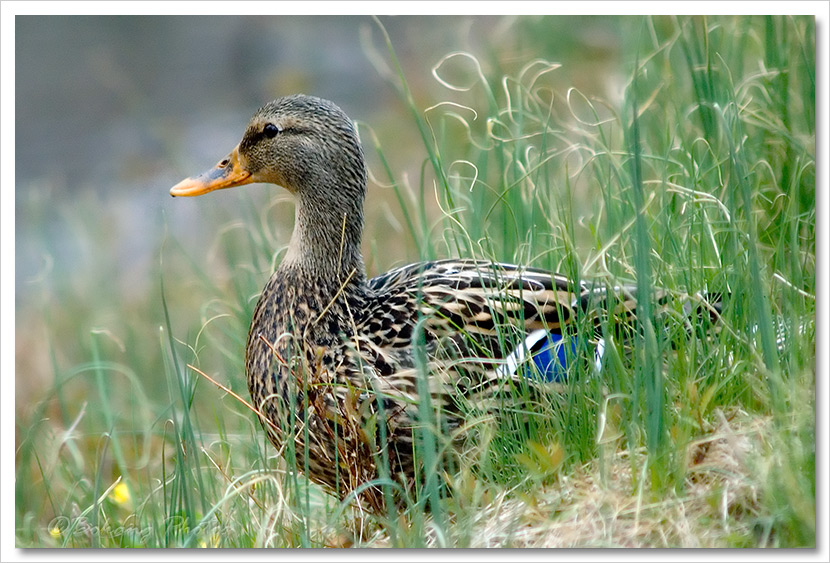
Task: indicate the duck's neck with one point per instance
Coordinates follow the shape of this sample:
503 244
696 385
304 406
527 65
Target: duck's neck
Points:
325 244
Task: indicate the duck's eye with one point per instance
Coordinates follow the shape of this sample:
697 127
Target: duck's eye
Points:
270 130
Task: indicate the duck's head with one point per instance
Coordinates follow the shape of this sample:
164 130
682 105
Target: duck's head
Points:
310 147
305 144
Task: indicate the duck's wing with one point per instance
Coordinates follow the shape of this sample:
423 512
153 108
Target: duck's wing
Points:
479 297
470 316
476 328
490 312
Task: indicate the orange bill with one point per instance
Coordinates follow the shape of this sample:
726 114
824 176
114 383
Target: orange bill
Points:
227 174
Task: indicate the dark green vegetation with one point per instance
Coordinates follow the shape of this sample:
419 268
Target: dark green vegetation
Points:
696 172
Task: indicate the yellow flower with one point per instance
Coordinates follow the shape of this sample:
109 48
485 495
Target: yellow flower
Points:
214 541
55 532
120 494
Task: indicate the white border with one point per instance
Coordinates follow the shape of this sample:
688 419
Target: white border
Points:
450 7
7 220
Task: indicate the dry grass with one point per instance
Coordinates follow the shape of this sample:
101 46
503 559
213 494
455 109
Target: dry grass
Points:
583 510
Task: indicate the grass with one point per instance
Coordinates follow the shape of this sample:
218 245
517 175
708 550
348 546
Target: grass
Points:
700 177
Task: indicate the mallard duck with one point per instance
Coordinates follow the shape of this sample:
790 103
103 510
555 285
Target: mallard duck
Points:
330 350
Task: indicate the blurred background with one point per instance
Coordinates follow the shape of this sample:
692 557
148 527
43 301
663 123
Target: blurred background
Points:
119 286
112 111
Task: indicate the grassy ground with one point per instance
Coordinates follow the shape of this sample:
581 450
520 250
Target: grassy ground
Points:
698 176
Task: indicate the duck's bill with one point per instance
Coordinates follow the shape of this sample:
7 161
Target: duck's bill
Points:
227 174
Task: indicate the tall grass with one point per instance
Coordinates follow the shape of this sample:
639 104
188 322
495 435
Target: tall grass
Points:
697 176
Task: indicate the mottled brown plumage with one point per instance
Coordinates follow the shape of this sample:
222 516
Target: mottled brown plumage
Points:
333 358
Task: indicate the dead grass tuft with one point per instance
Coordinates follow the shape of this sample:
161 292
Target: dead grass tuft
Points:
584 511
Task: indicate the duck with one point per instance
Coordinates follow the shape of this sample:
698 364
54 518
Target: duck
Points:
340 366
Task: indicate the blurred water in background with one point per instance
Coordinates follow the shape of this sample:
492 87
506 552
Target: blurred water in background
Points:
123 107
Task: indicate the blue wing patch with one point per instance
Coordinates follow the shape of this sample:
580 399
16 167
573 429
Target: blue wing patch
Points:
546 356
